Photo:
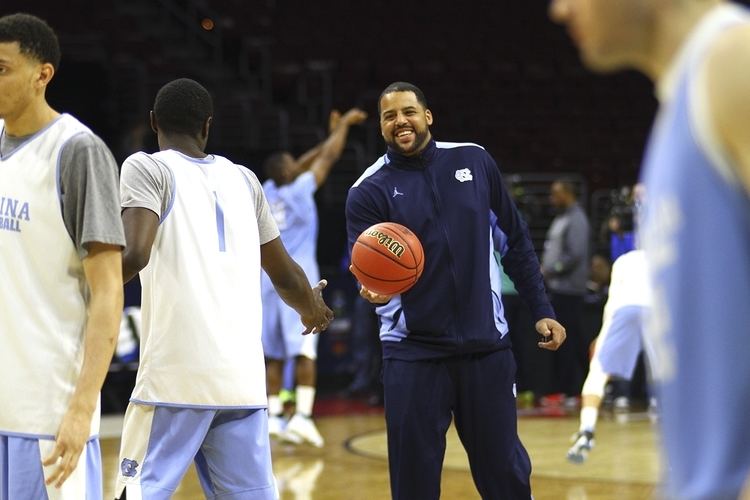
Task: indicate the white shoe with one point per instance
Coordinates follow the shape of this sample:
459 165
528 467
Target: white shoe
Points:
653 410
290 438
276 425
302 428
583 442
621 404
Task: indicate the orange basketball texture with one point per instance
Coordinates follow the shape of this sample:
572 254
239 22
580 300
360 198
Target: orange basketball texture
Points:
387 258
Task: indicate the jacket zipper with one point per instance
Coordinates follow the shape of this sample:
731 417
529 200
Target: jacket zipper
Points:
438 209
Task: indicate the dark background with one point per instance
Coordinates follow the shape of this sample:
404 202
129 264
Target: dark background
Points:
497 73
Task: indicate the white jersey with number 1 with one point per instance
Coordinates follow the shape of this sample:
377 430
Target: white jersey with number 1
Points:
201 343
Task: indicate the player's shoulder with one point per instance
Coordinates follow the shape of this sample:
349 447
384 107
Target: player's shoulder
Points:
303 185
81 149
231 166
305 178
463 147
223 161
79 135
633 258
232 170
141 159
463 152
248 173
372 173
249 176
74 124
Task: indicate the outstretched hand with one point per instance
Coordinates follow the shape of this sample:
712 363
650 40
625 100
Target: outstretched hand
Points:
321 316
354 116
553 333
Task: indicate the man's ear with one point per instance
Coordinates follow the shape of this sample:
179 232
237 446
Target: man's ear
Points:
152 120
206 127
44 76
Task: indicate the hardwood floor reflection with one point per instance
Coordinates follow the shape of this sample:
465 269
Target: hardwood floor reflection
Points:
352 465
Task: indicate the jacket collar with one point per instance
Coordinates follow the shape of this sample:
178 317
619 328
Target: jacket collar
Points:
418 161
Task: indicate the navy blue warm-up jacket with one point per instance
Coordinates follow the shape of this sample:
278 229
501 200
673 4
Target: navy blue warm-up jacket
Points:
445 195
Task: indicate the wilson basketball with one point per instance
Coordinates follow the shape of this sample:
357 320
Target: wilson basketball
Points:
387 258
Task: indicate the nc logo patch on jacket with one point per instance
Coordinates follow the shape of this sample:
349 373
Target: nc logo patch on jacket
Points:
464 175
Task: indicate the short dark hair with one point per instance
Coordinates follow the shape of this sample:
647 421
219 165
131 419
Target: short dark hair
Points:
34 36
182 106
272 166
403 87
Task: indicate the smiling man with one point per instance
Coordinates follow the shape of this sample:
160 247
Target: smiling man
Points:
446 347
696 224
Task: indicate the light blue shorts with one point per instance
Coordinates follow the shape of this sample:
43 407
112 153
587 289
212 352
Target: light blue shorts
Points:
22 474
230 448
620 345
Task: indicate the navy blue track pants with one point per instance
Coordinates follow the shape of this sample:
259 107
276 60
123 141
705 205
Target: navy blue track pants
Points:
476 390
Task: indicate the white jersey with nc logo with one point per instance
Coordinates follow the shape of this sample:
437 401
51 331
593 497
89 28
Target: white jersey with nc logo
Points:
200 345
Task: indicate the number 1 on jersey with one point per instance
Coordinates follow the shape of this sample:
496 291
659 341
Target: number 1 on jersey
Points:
220 224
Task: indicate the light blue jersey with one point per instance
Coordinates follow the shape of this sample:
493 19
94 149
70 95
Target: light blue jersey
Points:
293 208
696 231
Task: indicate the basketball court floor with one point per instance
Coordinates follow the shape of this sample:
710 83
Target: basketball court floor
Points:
352 465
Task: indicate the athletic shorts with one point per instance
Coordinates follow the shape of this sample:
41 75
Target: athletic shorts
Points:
22 475
230 448
618 347
282 331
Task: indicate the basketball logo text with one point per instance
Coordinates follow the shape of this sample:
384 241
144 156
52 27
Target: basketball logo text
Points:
12 213
392 245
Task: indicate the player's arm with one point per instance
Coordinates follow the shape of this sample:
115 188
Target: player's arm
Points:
308 157
729 96
330 150
305 161
291 283
146 188
101 268
88 180
140 226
